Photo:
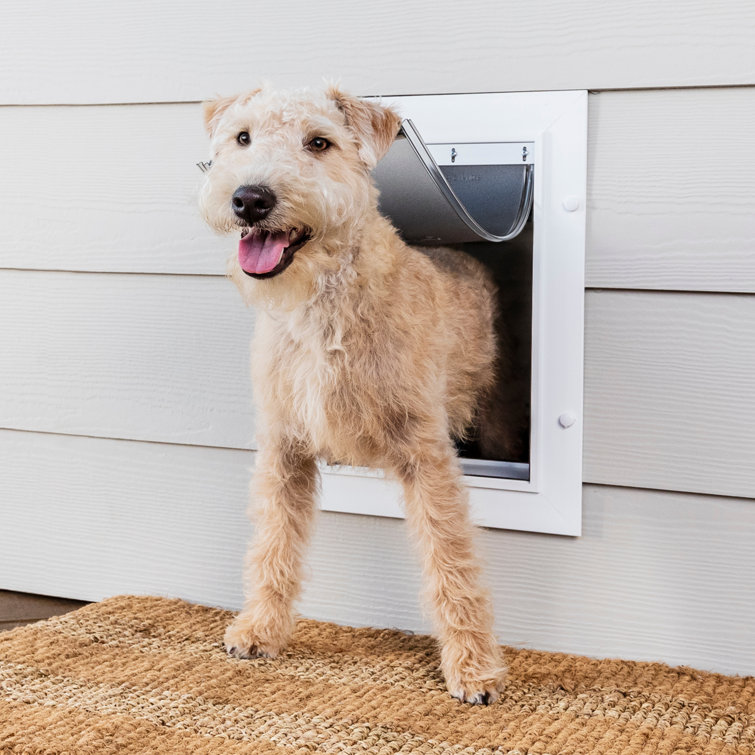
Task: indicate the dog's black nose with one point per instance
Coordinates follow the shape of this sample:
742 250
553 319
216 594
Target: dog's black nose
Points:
253 203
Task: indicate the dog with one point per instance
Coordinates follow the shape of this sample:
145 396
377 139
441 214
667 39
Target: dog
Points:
366 352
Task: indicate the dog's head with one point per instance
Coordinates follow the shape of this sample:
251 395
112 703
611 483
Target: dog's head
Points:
291 172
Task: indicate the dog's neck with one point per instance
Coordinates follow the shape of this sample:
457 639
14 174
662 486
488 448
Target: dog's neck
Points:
354 289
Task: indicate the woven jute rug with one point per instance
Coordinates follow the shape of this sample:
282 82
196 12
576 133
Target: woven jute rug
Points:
149 675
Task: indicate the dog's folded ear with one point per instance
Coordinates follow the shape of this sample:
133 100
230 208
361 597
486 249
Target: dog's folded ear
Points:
375 126
214 109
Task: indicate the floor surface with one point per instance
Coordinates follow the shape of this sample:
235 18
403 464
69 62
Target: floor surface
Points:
19 608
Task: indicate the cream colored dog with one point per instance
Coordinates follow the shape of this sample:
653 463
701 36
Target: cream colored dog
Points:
366 352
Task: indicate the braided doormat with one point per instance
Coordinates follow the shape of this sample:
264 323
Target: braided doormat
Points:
149 675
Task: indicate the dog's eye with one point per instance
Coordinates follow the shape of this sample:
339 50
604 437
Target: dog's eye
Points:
243 138
318 144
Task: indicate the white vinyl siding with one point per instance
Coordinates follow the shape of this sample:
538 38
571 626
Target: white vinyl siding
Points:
655 575
671 190
668 376
118 324
178 51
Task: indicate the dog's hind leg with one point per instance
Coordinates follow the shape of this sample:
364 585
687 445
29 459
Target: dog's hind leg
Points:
283 490
438 515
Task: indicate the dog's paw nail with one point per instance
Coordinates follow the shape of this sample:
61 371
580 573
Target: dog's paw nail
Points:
476 698
232 651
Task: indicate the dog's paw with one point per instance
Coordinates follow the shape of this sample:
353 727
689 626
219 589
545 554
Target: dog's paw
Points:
241 641
480 693
475 690
474 669
248 650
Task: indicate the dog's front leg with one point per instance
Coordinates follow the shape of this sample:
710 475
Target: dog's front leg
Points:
283 493
437 513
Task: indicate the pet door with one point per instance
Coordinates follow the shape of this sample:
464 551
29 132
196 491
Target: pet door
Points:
503 178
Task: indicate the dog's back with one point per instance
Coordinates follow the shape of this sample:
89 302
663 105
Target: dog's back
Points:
471 339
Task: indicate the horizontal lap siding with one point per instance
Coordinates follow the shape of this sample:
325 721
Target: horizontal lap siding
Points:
160 353
105 188
669 399
655 575
141 51
161 358
87 518
668 376
671 191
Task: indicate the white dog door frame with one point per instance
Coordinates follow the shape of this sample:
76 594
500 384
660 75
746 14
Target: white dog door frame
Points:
555 123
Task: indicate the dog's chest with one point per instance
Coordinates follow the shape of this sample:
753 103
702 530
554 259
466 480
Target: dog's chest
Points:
313 381
320 388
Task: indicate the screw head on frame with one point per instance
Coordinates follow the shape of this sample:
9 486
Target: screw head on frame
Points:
567 419
570 203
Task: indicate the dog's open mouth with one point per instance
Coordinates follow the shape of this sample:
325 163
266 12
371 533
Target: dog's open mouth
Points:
263 254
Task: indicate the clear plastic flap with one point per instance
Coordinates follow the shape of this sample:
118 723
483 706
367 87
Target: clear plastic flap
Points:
452 203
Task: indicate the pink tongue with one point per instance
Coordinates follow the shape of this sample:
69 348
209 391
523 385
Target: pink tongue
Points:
260 251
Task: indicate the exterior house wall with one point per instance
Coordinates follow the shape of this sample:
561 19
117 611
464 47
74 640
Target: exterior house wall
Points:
126 432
